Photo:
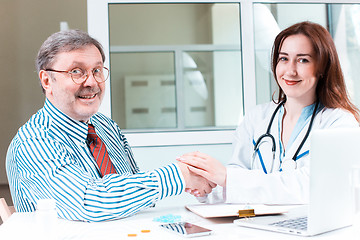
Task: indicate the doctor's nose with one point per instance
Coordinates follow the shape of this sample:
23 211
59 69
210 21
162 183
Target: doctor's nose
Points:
291 69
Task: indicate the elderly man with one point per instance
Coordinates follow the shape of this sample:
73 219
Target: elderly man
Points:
70 152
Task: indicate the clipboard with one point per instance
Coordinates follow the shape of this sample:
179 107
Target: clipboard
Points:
237 210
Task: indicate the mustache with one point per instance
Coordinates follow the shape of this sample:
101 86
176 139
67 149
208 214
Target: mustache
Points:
88 91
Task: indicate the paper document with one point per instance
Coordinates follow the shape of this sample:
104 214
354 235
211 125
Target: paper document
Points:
232 210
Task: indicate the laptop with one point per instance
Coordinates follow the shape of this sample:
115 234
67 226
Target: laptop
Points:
334 153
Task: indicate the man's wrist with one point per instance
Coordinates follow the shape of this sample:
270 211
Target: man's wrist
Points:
184 171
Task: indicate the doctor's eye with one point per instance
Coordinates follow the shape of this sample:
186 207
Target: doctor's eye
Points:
303 60
282 59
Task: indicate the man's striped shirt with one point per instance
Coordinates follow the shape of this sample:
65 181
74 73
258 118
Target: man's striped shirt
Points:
49 158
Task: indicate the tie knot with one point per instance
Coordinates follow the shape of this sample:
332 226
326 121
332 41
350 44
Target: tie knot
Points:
91 133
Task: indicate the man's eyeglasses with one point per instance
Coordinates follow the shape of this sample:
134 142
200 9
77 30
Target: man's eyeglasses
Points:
79 75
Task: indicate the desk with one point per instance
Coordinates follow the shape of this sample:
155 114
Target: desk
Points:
23 226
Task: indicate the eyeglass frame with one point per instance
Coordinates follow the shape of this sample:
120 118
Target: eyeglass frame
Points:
86 74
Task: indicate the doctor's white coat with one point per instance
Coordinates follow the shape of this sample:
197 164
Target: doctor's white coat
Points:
246 185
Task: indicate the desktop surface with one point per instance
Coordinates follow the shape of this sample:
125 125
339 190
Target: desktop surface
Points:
24 226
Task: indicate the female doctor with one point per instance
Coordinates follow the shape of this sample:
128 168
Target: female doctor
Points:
270 161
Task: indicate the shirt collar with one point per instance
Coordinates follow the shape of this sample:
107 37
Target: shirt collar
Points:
75 129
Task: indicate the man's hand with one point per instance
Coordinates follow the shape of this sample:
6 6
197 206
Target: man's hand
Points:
195 184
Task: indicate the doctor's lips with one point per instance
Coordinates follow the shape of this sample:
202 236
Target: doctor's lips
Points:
291 82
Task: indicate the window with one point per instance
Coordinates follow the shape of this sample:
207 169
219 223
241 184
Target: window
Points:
175 66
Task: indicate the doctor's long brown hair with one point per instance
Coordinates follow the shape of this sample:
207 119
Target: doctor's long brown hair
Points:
330 90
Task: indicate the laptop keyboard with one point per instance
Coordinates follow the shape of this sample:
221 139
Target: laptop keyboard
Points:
296 223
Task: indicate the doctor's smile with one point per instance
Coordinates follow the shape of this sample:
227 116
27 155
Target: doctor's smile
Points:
291 82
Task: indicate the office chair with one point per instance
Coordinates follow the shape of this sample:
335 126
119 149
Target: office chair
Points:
5 210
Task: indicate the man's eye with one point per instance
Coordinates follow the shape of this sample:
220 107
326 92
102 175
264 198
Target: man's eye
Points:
97 70
76 71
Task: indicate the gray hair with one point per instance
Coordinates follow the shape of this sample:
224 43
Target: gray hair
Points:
64 41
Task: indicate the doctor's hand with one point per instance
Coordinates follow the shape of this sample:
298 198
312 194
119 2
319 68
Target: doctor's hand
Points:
194 183
205 166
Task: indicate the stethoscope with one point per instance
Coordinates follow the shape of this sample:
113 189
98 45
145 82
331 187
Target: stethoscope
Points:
287 164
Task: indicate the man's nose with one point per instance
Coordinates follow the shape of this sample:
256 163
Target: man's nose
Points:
90 81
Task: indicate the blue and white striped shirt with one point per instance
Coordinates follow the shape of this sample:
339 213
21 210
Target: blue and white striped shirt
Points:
49 158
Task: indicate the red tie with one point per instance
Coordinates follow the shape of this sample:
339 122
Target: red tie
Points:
98 150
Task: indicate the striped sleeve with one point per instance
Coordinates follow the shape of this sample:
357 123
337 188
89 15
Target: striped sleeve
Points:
45 168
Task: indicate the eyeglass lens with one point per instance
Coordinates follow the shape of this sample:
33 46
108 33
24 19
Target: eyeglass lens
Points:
79 75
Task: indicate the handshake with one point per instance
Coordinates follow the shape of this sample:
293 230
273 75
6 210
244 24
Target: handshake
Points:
201 173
